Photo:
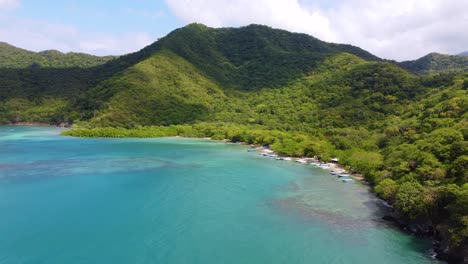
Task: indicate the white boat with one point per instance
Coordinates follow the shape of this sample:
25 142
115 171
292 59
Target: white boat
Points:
302 161
324 165
347 180
343 175
272 155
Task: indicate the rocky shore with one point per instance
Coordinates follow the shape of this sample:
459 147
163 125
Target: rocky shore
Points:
439 234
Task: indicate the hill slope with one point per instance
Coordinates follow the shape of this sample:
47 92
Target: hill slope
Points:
254 56
437 63
16 58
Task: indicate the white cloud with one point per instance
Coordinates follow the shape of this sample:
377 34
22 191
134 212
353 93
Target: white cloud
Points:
6 5
286 14
394 29
402 29
40 35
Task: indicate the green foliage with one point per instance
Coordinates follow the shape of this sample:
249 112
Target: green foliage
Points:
252 57
459 169
387 190
444 143
286 143
366 162
15 58
437 63
410 201
45 110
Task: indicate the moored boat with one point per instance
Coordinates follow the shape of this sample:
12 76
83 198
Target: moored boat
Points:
324 165
343 175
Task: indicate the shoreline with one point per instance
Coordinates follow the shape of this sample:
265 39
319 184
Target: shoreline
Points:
391 218
388 215
62 125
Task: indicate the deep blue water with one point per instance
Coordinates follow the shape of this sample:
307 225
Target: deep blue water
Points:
72 200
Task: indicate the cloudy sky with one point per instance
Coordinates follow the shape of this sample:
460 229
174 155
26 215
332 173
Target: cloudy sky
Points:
391 29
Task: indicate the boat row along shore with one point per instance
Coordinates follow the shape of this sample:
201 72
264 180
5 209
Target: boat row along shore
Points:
335 169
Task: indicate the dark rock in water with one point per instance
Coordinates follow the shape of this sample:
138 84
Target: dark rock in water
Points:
388 218
443 249
439 234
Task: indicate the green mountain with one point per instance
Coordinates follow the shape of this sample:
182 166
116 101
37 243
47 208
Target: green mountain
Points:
437 63
228 61
404 132
16 58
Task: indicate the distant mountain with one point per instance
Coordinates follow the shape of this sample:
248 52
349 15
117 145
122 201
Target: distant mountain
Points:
437 63
16 58
465 53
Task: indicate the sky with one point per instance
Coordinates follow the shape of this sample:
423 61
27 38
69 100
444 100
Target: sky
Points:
391 29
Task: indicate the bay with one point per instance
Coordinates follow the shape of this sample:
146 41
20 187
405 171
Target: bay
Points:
175 200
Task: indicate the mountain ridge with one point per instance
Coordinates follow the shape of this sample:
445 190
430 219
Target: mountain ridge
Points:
16 58
434 63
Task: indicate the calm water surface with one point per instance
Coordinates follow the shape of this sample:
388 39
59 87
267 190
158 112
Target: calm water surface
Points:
70 200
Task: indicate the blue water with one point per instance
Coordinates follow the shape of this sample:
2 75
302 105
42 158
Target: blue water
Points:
71 200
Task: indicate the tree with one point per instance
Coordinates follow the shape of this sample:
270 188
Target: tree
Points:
410 200
387 190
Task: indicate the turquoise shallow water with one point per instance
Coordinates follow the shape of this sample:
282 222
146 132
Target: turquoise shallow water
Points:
69 200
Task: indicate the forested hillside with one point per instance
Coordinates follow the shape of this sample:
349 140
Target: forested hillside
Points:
435 63
16 58
406 133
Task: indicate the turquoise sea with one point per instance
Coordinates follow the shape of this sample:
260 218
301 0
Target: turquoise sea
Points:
172 200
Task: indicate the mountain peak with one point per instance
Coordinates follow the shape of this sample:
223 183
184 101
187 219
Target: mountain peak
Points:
437 63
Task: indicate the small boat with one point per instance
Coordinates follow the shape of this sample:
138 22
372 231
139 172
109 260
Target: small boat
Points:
251 150
272 155
347 180
324 165
302 161
313 163
286 158
343 175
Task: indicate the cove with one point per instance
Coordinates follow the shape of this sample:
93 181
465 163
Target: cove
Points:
173 200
